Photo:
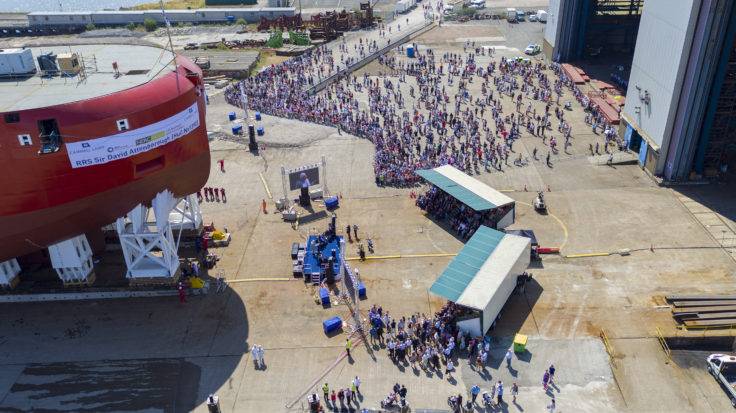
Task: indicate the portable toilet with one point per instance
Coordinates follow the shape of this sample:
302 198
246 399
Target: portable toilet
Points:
410 51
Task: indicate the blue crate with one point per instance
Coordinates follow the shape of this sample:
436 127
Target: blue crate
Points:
331 324
361 291
231 115
324 296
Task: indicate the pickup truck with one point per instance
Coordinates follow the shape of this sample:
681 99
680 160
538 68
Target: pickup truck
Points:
723 368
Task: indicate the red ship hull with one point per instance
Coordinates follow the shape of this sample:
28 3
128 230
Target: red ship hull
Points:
46 200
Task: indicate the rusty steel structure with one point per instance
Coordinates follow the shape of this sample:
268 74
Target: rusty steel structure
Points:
328 25
284 23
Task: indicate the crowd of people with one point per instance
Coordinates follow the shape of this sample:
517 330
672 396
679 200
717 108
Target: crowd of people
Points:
429 112
443 206
427 343
346 396
433 344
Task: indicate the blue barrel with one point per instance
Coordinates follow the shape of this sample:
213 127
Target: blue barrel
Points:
238 130
410 51
258 115
260 131
230 19
231 115
332 202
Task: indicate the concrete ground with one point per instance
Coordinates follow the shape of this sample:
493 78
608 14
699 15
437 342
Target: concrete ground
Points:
159 355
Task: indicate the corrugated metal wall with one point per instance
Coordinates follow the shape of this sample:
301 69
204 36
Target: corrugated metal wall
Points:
213 15
229 2
658 68
709 47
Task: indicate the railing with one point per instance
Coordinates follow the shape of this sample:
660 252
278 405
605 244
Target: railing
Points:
665 346
609 348
369 58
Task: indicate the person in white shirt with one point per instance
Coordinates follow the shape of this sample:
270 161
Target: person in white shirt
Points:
260 356
254 355
448 370
356 382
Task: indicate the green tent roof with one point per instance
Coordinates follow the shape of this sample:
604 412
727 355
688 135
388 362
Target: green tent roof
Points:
463 268
456 190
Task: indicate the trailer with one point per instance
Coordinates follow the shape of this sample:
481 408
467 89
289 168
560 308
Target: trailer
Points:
482 277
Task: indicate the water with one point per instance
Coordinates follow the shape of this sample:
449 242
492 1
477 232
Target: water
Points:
66 5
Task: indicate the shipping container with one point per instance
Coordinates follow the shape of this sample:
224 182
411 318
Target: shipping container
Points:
16 62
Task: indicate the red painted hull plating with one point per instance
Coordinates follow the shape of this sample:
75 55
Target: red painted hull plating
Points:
44 200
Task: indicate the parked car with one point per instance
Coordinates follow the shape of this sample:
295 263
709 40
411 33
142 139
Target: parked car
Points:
532 17
520 15
478 4
532 49
723 368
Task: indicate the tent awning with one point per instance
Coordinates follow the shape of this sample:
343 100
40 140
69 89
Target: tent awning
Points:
464 188
474 275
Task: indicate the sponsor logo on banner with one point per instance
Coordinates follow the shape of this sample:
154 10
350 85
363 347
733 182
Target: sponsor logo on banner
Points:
99 151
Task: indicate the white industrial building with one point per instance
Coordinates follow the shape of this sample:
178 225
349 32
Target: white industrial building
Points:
121 18
680 112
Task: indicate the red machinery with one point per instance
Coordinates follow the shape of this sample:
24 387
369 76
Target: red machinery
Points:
282 22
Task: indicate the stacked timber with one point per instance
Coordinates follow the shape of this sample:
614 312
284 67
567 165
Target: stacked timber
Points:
704 311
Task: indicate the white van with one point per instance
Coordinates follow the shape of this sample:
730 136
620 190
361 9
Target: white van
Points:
511 15
478 4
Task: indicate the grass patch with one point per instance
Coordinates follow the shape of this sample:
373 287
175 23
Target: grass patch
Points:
266 58
171 4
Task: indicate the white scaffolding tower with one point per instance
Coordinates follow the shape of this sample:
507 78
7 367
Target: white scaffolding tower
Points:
72 260
186 214
9 271
148 245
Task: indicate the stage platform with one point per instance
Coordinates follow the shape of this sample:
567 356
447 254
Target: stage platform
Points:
320 246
